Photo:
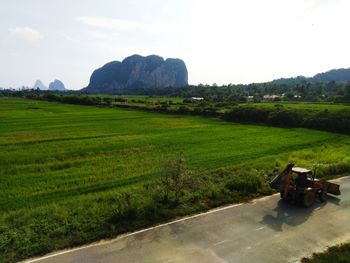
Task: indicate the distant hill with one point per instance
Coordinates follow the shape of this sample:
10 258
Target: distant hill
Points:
57 85
54 85
138 72
338 75
39 85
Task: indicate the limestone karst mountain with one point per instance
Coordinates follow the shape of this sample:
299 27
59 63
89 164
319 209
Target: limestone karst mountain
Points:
57 85
39 85
138 72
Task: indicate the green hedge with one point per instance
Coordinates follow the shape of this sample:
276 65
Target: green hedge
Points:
334 121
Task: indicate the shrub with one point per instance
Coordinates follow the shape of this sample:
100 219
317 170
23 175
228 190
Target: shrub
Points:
183 109
175 178
340 254
248 182
337 121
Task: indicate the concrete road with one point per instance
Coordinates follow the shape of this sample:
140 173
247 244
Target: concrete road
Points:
266 230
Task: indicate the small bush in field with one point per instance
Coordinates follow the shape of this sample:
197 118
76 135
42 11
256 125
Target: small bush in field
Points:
175 178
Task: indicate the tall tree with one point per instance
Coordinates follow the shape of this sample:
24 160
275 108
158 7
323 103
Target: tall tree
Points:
347 91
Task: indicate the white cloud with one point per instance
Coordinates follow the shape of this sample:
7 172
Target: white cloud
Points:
25 33
113 23
123 24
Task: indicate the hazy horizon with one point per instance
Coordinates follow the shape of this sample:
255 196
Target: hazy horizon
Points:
220 41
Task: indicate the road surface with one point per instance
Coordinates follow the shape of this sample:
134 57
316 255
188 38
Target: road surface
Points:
266 230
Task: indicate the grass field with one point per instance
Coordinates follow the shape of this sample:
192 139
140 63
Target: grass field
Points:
63 167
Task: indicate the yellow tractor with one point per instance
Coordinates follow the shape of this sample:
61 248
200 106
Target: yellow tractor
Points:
298 184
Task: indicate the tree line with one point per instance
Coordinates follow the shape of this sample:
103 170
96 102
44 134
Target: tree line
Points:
295 91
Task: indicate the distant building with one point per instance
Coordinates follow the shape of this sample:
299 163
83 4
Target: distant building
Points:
197 98
273 97
250 98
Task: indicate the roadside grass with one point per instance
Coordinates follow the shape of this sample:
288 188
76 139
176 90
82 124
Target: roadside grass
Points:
74 174
339 254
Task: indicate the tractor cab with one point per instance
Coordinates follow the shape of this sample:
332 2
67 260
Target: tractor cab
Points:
301 178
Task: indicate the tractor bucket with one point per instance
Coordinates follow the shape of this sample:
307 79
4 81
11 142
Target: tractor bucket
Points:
333 188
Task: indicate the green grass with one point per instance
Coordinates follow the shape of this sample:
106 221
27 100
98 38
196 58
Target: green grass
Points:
339 254
66 168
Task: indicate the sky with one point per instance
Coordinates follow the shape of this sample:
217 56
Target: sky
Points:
221 41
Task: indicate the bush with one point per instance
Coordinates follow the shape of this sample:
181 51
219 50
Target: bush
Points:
249 182
119 99
337 121
290 118
339 254
175 178
183 109
247 114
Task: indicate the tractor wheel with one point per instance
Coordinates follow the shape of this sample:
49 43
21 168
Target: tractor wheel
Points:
281 194
308 198
287 198
322 195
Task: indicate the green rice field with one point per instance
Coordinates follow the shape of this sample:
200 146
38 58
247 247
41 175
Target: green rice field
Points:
62 166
